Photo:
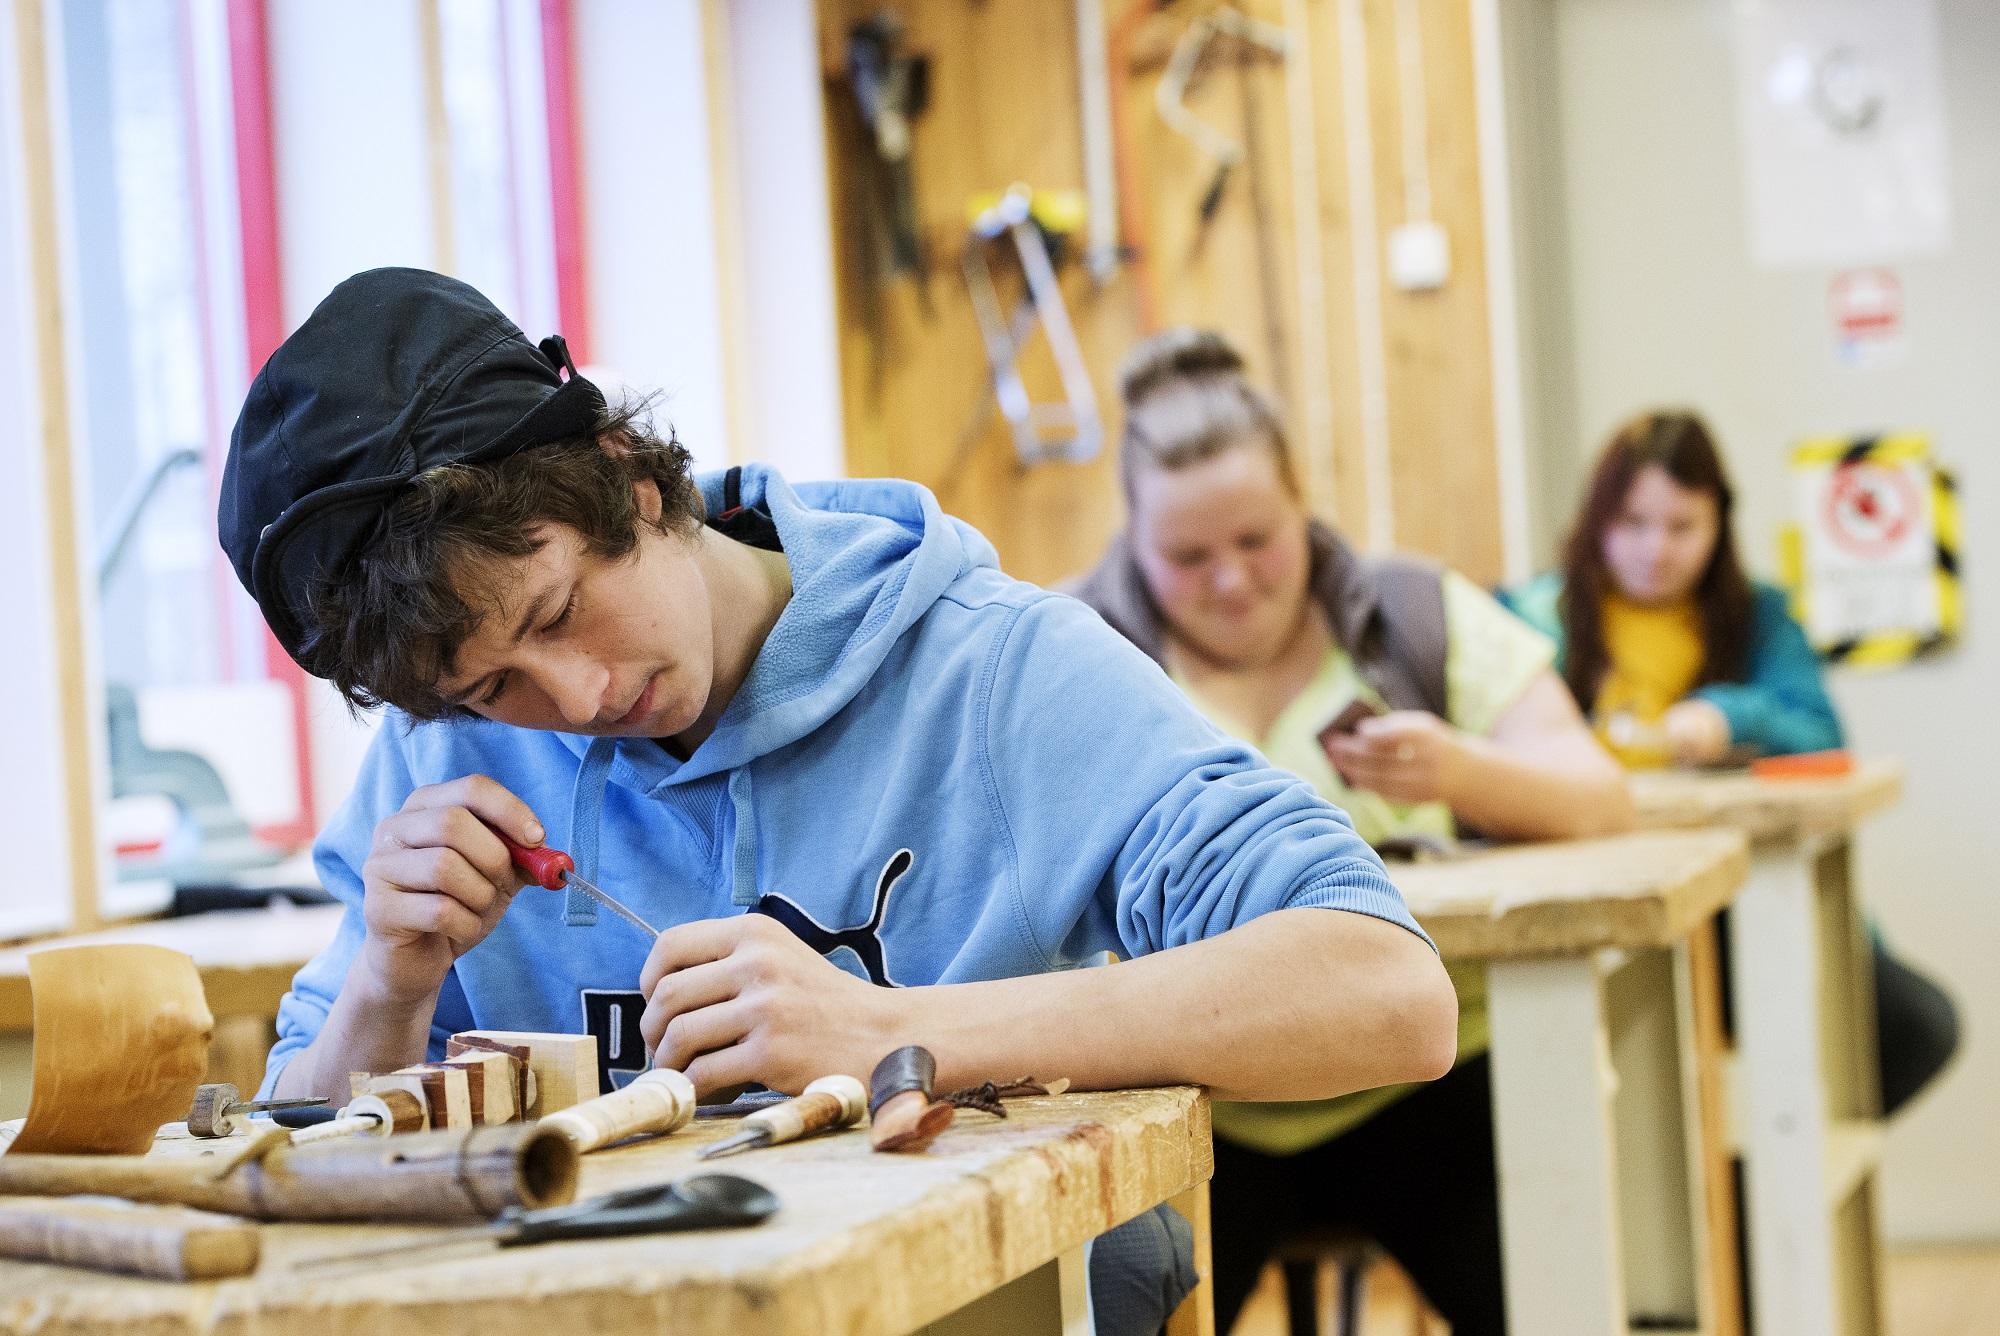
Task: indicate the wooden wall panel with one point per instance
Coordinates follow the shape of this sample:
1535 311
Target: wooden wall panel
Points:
1004 107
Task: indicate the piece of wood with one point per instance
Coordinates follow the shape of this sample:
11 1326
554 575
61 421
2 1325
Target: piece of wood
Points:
1553 1130
655 1102
167 1243
1648 889
865 1243
1767 810
525 1092
76 703
447 1092
426 1176
1718 1153
564 1065
490 1084
1196 1314
121 1043
1784 1115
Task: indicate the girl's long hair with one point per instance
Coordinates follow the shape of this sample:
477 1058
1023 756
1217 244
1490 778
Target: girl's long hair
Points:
1678 442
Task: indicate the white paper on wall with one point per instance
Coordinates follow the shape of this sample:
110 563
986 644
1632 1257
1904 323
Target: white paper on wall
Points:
1841 108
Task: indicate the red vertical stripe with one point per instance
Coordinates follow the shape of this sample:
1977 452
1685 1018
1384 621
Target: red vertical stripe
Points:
565 176
264 304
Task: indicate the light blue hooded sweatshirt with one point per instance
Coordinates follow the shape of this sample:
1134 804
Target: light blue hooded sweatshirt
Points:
933 774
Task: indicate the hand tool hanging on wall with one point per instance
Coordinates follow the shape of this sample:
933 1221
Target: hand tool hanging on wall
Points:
902 1114
830 1102
891 89
1170 96
219 1110
1040 225
705 1201
654 1102
165 1243
426 1176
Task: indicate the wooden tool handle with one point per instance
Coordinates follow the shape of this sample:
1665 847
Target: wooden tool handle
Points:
163 1243
658 1101
377 1115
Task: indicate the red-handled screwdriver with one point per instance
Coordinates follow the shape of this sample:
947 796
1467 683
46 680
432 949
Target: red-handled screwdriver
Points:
555 870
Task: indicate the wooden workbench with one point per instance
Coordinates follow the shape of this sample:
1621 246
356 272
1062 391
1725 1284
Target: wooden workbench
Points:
1802 976
1604 1004
246 957
995 1214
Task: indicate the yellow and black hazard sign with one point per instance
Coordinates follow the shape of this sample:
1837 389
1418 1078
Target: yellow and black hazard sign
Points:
1873 562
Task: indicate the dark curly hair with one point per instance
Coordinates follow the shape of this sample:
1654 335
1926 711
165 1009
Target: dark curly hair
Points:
386 629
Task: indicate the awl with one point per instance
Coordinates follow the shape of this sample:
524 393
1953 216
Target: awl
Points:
831 1101
555 870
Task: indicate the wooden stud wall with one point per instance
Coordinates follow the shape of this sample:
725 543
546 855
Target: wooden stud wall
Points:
1004 107
75 701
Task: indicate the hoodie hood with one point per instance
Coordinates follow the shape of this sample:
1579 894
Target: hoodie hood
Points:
868 559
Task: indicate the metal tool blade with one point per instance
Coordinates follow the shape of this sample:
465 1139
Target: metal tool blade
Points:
602 898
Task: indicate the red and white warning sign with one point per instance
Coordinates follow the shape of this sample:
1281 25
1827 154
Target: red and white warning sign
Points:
1866 307
1872 510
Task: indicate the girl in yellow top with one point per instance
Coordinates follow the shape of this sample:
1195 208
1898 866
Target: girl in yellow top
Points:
1276 629
1680 658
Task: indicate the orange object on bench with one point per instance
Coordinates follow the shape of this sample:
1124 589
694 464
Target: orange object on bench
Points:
1806 765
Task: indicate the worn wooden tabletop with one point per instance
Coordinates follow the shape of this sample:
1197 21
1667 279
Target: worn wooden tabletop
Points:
1640 890
864 1242
1766 809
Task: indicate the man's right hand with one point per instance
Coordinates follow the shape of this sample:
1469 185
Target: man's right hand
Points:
437 880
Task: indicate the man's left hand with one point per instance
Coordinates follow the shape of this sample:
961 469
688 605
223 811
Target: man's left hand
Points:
734 1000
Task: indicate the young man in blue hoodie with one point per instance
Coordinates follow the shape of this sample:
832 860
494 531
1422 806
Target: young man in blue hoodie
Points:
873 791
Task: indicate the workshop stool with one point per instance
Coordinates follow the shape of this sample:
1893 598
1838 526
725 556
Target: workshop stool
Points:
1301 1255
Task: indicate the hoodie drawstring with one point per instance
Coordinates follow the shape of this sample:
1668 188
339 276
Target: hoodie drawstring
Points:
585 811
743 849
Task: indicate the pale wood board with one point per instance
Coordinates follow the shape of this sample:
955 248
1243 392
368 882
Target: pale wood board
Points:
865 1242
1766 809
246 958
1004 106
1647 889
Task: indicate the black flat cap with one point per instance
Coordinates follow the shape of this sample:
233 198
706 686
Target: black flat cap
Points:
396 372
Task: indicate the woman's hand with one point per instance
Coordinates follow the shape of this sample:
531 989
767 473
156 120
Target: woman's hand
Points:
1407 756
437 881
735 1000
1697 732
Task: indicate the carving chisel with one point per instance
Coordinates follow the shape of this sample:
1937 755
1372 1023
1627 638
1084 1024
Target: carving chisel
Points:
831 1101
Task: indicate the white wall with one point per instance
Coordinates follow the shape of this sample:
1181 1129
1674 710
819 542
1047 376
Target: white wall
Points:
649 213
1639 142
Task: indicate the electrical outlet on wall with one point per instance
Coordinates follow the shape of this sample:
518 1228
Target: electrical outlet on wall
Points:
1419 256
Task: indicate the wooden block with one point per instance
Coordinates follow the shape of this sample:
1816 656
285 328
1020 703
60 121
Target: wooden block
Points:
490 1080
564 1065
449 1091
474 1041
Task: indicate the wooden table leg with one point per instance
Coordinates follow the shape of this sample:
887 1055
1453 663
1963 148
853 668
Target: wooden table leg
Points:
1196 1315
1051 1300
1553 1133
1773 943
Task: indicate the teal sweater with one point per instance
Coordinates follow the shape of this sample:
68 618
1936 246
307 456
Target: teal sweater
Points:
1780 707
